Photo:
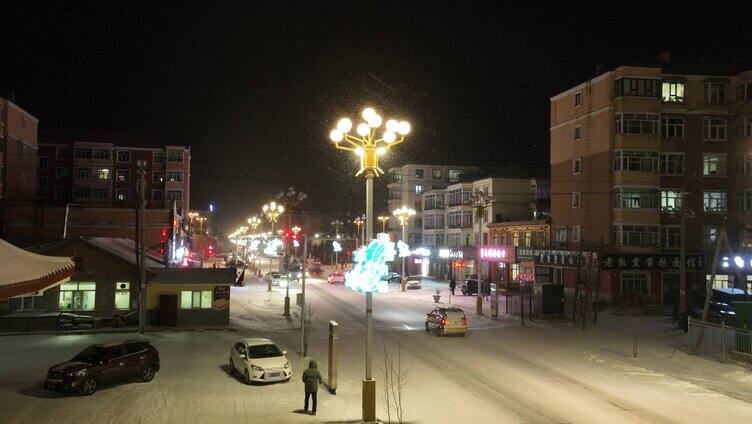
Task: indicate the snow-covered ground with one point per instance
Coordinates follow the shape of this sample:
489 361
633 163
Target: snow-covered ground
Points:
501 372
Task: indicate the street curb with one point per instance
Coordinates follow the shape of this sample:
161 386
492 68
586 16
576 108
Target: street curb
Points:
115 331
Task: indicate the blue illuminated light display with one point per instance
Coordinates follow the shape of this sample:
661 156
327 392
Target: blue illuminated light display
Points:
371 265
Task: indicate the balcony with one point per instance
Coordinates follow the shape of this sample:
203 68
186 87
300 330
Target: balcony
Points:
434 206
460 225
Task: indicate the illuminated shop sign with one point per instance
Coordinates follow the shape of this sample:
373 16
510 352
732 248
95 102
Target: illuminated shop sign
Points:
496 253
451 254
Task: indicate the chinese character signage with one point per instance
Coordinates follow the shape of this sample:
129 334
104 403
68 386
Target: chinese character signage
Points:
496 253
648 262
524 253
560 258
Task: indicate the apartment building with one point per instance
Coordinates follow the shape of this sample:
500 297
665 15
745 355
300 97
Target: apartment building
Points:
631 151
408 183
18 145
105 172
448 218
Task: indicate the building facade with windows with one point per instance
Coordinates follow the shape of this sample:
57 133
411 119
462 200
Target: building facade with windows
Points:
635 148
18 146
104 172
408 183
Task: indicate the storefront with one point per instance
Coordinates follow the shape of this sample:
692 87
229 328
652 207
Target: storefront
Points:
189 297
450 262
651 278
495 263
562 267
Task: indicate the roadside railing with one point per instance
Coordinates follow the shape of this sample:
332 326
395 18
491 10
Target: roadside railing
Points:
718 341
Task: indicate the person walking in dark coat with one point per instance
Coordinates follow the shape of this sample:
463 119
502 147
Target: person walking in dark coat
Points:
311 379
452 285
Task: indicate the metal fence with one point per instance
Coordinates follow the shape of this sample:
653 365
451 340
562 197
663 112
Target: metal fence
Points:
570 309
718 341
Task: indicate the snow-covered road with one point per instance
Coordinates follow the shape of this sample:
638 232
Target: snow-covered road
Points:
500 373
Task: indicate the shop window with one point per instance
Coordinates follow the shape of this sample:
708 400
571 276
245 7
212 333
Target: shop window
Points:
721 281
122 295
77 296
196 299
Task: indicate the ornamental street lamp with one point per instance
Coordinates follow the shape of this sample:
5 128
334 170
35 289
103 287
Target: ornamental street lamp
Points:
254 222
336 224
403 214
359 221
480 201
368 147
384 219
272 211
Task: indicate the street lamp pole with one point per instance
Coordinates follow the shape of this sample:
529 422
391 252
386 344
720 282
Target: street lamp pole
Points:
368 147
404 214
336 224
480 201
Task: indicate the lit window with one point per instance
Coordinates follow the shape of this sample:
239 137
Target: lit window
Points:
714 201
672 91
196 299
670 200
418 189
103 173
122 295
77 296
122 175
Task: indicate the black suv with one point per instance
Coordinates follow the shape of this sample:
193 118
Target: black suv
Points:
470 286
104 363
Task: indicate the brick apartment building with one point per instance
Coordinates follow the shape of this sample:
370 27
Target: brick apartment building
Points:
634 148
105 172
18 145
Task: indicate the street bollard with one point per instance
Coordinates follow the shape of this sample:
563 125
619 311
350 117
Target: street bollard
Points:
333 349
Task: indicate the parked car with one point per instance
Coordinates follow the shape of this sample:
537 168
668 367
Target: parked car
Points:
470 285
260 360
718 312
336 278
392 278
413 282
104 363
276 277
444 320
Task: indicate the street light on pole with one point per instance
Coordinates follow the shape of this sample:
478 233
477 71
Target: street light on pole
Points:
272 211
384 219
480 201
359 221
404 214
336 224
368 147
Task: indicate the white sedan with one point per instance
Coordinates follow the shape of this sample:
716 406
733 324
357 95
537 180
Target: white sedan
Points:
260 360
413 282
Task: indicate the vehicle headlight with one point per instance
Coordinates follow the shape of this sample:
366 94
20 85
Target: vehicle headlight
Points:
300 275
255 368
287 364
76 373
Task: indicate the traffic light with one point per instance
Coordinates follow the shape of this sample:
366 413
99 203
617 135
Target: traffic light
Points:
287 235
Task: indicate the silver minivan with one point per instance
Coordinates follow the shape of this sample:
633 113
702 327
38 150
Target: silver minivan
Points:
447 320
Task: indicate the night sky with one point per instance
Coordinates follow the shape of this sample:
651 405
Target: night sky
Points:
254 87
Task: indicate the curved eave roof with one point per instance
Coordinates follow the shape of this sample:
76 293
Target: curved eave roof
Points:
25 272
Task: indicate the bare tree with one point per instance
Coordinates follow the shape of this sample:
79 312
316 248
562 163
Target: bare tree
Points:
395 380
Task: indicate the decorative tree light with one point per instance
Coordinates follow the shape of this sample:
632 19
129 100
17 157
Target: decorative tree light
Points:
371 265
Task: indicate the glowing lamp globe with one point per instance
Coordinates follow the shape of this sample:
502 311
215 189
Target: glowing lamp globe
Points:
344 125
336 135
368 112
374 121
363 129
389 137
404 127
392 125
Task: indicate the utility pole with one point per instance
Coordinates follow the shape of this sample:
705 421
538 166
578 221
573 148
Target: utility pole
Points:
302 297
142 245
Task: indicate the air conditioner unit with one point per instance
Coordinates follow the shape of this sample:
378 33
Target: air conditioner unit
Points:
122 286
